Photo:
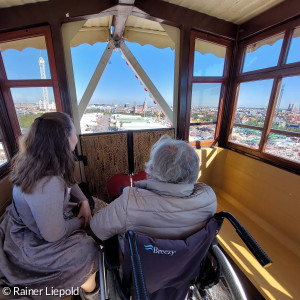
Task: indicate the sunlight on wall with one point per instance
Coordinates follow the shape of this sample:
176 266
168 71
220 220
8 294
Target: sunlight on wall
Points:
224 244
262 271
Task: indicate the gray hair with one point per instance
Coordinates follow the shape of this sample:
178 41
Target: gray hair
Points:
173 161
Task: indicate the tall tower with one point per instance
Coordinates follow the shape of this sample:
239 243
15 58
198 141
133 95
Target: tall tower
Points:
145 108
279 98
45 91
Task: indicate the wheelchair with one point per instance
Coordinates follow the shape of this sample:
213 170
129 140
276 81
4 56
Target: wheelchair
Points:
160 269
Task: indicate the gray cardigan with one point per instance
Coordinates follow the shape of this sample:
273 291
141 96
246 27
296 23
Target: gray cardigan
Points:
42 210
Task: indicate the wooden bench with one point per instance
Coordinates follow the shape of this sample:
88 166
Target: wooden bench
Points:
5 194
266 200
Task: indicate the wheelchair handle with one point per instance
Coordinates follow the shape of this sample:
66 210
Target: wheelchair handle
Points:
250 242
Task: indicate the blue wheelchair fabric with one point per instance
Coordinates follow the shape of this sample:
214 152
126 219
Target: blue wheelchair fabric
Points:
169 266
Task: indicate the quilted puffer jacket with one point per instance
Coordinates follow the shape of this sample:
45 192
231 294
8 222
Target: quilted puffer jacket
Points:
158 209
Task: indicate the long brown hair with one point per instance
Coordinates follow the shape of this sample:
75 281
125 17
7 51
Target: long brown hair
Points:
44 151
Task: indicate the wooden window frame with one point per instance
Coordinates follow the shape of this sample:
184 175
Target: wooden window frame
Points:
6 84
8 138
9 121
207 79
276 73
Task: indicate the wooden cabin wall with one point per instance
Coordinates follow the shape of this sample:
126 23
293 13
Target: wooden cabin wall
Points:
5 194
266 200
106 155
264 189
109 154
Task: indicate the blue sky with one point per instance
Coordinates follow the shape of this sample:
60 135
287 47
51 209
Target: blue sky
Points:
257 94
118 83
24 64
208 65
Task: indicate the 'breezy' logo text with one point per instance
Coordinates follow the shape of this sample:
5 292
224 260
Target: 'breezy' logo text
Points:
155 250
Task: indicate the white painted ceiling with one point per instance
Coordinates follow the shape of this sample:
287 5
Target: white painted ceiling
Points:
9 3
235 11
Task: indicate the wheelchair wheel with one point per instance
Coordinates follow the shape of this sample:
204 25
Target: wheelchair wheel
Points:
229 286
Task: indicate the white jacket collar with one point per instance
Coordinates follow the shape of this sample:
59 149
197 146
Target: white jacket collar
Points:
165 188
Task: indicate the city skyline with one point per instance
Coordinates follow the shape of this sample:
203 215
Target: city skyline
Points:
153 104
107 118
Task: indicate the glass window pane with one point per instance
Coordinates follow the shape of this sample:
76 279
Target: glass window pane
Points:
284 146
205 102
246 137
3 157
252 102
160 70
287 113
31 103
294 51
209 59
202 132
120 100
85 59
26 59
263 54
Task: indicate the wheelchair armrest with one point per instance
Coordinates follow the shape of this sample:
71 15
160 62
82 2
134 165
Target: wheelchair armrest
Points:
249 241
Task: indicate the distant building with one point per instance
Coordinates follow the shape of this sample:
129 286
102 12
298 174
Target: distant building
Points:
290 107
51 106
293 126
280 123
138 109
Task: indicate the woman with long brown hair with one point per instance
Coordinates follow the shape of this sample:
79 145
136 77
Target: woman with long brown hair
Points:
42 246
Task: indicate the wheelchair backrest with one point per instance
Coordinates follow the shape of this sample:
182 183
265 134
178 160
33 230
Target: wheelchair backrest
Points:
169 264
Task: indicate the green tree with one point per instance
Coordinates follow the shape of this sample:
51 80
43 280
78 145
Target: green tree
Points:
26 120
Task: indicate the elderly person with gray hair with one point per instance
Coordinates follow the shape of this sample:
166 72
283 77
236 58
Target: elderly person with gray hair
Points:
170 204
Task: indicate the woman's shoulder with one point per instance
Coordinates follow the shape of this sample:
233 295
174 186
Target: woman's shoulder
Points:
51 179
45 181
49 182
